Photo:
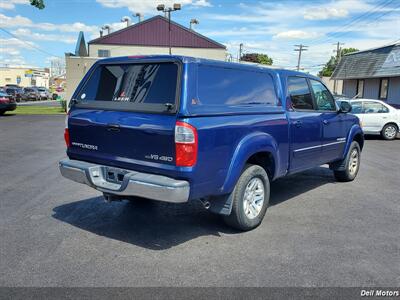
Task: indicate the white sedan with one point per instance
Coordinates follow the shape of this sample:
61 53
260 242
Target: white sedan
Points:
377 117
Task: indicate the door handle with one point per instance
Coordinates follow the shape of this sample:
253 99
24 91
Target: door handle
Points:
113 127
298 123
326 122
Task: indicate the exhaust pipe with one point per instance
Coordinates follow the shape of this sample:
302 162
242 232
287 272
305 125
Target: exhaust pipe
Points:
205 203
110 198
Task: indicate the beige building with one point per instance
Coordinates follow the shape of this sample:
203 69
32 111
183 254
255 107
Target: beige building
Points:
149 37
24 77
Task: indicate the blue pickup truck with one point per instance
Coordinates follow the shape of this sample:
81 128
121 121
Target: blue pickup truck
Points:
178 129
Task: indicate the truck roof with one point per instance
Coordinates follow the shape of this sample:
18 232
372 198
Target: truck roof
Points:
189 59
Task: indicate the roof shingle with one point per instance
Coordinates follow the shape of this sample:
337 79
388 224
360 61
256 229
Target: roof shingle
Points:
374 63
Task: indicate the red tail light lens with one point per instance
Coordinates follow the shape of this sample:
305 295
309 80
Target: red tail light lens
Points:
66 132
66 137
186 144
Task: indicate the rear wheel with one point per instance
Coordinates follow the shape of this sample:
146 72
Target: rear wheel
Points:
389 131
2 112
250 199
351 164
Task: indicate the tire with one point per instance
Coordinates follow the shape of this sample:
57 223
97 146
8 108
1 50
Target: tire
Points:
2 112
389 132
244 216
351 164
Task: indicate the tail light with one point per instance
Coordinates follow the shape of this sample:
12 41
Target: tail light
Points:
4 100
186 144
66 132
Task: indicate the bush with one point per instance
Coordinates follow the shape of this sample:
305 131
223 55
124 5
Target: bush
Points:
63 104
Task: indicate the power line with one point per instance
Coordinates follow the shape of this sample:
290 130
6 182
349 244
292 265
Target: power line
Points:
30 45
353 21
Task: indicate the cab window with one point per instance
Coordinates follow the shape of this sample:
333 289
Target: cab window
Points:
300 94
322 96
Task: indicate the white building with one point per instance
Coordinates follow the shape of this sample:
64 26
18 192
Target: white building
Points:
24 77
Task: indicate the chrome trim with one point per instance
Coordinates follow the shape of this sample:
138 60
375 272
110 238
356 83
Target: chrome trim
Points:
319 146
156 187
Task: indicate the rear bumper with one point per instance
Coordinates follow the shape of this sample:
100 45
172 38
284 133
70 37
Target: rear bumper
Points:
122 182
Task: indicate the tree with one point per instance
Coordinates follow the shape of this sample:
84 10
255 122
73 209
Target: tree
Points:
37 3
258 58
330 66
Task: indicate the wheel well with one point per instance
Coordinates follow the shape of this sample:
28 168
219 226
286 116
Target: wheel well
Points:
359 139
265 160
391 123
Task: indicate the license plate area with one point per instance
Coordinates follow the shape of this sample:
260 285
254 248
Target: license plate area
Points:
115 175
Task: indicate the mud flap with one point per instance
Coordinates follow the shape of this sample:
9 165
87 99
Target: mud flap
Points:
221 205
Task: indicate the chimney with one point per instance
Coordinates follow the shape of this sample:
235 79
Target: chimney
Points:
101 33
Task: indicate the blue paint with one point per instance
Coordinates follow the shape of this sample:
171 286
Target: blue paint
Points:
228 134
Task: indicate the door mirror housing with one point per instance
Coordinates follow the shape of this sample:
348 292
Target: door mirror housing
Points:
345 107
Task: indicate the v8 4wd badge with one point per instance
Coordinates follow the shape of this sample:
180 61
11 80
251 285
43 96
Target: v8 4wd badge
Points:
159 157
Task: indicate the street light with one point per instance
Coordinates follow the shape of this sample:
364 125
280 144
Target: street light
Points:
139 16
126 20
161 7
193 22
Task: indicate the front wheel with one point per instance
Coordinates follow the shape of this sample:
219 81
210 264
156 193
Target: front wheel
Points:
250 199
351 164
389 131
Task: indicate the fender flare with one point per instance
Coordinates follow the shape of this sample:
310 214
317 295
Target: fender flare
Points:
354 130
248 146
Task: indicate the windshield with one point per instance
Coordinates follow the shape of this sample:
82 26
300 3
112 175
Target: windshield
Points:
131 86
42 89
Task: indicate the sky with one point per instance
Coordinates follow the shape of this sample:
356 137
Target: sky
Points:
33 37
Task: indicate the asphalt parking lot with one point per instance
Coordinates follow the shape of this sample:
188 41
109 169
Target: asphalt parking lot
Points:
317 232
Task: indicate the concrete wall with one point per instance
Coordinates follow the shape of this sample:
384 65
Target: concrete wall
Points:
76 68
330 84
118 50
9 76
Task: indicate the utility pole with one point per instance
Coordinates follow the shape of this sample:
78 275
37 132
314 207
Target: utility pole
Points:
240 51
338 57
300 48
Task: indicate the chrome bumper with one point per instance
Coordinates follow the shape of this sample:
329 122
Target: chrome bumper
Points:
121 182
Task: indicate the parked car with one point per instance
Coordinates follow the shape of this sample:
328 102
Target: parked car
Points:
44 93
7 103
31 93
179 129
15 93
377 117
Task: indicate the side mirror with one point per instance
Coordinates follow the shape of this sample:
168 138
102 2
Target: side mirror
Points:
345 107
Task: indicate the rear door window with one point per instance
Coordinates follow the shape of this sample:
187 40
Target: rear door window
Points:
374 108
137 87
300 94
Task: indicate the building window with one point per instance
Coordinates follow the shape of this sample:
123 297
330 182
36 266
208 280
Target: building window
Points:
103 53
360 88
383 88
